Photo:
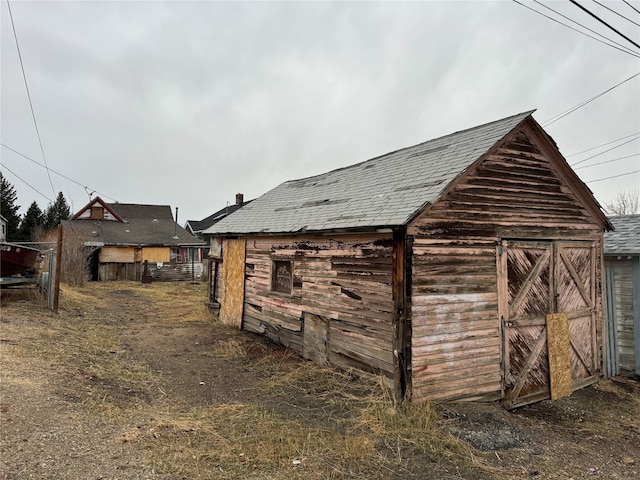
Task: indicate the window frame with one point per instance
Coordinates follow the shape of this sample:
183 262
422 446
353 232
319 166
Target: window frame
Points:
276 265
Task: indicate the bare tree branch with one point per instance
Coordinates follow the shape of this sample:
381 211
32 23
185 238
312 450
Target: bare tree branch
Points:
625 203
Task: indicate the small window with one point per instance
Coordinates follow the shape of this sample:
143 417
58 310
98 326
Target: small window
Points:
97 213
282 276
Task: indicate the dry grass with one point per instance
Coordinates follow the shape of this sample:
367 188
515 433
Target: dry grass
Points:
310 421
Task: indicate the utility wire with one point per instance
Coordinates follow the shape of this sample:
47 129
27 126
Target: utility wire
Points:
613 176
625 1
26 183
583 26
608 161
576 30
33 115
57 173
605 23
603 152
602 145
619 14
580 105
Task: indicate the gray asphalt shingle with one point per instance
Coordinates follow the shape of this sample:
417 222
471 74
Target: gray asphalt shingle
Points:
382 192
625 240
143 225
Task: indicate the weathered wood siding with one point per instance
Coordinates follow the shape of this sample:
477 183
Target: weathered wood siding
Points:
623 293
454 328
173 272
515 191
119 271
340 308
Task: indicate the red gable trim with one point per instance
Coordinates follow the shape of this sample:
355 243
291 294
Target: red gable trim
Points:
93 203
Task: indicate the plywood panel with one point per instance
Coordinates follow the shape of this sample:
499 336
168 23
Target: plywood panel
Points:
156 254
117 255
559 355
232 282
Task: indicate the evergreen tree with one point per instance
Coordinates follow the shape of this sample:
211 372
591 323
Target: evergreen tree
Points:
31 220
9 209
56 213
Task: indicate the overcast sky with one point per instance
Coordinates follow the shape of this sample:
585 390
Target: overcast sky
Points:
188 103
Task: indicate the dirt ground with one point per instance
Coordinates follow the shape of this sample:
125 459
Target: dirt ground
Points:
135 382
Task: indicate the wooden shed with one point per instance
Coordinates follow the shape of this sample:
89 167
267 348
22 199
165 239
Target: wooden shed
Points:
622 280
465 267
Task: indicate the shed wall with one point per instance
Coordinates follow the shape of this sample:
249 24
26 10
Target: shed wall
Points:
340 308
513 192
622 289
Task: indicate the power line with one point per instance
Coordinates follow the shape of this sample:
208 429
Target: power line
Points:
602 145
608 161
625 1
603 152
613 176
26 183
576 30
583 26
57 173
580 105
33 115
619 14
605 23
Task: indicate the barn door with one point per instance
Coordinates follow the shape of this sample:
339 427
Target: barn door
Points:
576 295
539 279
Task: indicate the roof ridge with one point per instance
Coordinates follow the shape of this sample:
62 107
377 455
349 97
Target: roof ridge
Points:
526 113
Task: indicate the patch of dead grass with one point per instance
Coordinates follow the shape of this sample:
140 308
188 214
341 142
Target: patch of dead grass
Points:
311 421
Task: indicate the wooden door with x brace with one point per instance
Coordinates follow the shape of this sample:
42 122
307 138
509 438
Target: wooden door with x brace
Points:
537 279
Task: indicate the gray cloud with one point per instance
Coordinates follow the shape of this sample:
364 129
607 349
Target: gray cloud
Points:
187 103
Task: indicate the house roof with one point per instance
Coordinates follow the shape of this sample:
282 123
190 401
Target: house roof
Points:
198 226
625 240
140 225
385 191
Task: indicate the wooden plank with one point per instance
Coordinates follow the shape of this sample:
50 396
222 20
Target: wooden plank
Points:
533 275
479 385
316 337
577 279
372 359
442 311
462 298
491 349
532 358
558 347
455 347
456 377
427 318
435 329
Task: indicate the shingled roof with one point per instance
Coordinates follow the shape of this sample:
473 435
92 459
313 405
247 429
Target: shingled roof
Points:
198 226
385 191
625 240
146 225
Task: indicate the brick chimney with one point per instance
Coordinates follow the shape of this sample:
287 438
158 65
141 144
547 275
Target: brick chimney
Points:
239 198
